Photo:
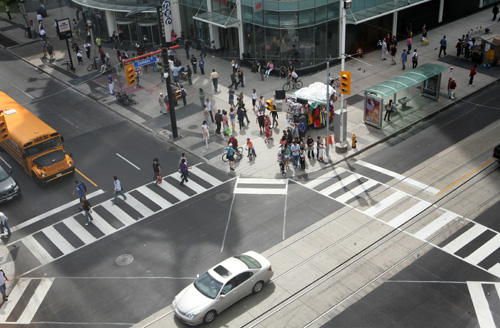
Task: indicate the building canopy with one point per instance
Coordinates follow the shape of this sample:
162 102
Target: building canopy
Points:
407 80
216 19
364 15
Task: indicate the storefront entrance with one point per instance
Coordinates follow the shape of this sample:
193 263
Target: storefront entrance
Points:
228 38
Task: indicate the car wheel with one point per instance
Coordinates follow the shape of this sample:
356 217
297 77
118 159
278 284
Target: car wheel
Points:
257 287
209 317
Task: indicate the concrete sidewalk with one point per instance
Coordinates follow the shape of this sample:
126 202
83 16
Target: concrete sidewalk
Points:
366 72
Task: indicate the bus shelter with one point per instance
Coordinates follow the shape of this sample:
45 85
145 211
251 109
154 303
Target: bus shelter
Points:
427 76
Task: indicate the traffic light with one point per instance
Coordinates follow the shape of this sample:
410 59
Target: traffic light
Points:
4 131
345 82
130 74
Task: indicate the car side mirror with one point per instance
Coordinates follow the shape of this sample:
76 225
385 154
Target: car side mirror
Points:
222 296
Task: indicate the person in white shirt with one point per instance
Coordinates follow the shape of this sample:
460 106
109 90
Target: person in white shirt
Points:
4 224
118 190
3 279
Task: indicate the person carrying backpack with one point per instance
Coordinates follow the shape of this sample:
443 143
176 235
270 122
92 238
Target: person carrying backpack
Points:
81 189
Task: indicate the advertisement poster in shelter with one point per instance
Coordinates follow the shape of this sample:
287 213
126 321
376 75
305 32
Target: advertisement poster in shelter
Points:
373 110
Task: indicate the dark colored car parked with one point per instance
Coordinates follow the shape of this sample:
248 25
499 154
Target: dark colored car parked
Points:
9 188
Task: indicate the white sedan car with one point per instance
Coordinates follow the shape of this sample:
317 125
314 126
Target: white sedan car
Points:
222 286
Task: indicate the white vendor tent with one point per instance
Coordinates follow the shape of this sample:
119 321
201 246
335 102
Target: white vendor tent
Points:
316 92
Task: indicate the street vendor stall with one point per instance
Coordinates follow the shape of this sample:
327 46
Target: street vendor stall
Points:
309 105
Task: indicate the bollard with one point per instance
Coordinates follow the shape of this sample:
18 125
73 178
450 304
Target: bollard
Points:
353 141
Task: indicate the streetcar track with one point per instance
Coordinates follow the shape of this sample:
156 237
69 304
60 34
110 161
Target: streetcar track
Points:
367 250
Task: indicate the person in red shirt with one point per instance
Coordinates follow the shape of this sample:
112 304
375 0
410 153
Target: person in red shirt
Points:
234 142
472 73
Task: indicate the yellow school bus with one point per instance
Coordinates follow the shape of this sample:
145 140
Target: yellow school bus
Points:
33 143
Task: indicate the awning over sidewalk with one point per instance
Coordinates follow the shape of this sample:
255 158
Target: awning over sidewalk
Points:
217 19
407 80
387 8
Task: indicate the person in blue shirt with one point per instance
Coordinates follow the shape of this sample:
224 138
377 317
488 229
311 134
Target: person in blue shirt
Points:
201 63
443 43
404 58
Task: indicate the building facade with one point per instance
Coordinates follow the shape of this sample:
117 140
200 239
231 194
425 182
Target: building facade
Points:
305 31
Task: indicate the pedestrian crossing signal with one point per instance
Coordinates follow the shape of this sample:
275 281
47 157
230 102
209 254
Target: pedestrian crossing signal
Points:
130 74
345 82
4 132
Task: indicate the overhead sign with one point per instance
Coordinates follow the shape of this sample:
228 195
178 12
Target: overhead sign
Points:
145 61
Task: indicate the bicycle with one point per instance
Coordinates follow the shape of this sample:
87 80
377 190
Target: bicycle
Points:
250 154
68 65
123 98
237 157
91 67
289 84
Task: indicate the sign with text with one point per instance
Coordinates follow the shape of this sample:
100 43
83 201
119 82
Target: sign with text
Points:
167 20
146 61
64 29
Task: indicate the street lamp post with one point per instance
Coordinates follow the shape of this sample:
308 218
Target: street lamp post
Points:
343 112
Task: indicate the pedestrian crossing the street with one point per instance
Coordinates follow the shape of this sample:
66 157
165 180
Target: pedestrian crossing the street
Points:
475 244
70 234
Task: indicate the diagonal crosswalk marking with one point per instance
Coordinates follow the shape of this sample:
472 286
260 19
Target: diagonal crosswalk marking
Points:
481 305
385 203
356 191
35 301
62 244
464 239
482 252
337 186
435 225
157 199
409 213
316 182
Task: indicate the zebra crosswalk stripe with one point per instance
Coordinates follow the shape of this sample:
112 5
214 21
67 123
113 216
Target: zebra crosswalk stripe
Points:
191 184
14 297
78 230
481 305
205 176
38 251
356 191
409 213
336 186
118 213
35 301
385 203
173 190
62 244
464 239
102 224
482 252
157 199
139 207
435 225
316 182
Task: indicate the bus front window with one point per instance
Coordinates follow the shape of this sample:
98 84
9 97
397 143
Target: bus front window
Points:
44 146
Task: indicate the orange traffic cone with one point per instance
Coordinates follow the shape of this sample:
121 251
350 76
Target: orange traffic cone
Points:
330 140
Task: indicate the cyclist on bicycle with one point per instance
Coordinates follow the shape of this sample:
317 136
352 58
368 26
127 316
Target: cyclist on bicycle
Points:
233 142
293 76
230 155
250 147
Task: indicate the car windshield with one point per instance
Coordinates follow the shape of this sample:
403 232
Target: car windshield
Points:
3 174
40 148
208 286
250 262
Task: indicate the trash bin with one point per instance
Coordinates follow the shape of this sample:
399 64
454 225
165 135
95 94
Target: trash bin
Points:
97 63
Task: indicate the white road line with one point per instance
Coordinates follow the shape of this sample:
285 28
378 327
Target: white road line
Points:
284 210
37 250
400 177
54 211
205 176
173 190
316 182
191 184
118 213
79 231
138 206
14 297
27 94
495 270
409 213
5 162
126 160
342 183
102 224
481 305
385 203
257 191
35 301
150 194
356 191
464 239
61 243
262 181
484 251
435 225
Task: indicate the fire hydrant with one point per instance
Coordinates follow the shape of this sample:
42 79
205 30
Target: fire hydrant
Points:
353 141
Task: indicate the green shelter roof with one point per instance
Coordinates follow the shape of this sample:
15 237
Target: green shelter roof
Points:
407 80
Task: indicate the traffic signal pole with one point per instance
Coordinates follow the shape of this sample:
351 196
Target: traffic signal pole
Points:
166 67
341 147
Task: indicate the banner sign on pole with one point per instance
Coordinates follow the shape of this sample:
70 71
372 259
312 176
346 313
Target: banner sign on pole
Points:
167 20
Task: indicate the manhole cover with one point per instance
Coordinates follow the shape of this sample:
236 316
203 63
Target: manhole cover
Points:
124 259
222 197
193 127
